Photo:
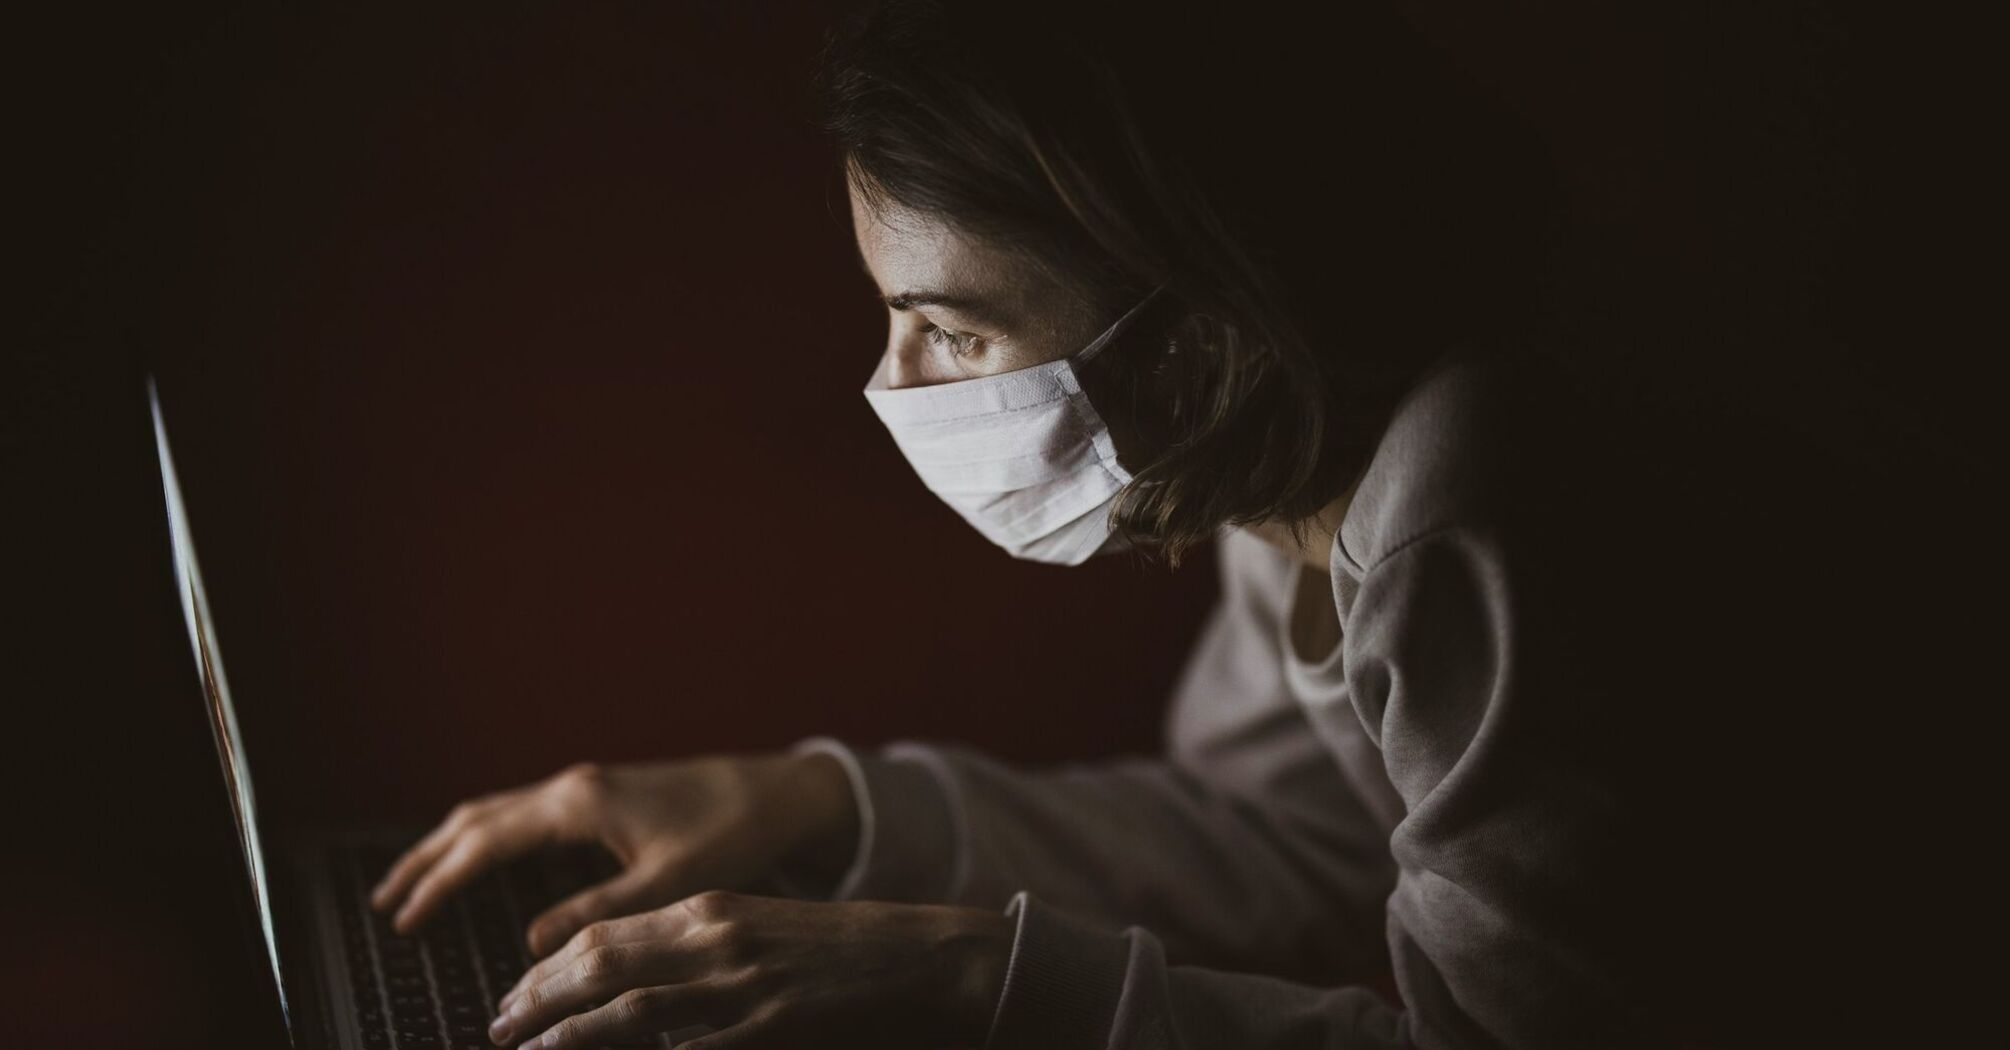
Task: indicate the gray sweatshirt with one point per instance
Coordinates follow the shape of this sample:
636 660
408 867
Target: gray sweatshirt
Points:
1416 799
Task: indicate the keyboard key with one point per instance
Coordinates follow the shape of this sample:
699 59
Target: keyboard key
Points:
455 967
406 979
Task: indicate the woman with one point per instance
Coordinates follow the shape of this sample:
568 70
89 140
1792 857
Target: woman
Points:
1153 283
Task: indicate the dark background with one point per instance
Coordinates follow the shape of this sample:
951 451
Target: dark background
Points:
512 364
512 359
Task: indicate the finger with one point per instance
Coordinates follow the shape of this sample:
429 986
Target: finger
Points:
633 1015
648 926
422 856
474 851
624 894
592 977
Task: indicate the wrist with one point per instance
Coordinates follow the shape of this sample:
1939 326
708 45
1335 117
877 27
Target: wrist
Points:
817 795
979 951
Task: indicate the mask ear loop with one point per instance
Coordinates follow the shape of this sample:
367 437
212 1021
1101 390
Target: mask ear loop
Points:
1088 353
1106 448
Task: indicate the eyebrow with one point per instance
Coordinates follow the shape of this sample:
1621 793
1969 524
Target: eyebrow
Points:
973 307
963 304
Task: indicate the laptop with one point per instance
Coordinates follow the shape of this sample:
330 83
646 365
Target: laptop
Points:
340 977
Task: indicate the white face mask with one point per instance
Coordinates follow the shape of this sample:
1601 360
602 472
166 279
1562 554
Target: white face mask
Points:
1021 455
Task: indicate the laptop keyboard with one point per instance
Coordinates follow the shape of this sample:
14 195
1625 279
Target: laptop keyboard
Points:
437 989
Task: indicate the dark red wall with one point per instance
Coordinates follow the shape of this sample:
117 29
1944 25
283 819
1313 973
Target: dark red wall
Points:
513 357
513 365
515 369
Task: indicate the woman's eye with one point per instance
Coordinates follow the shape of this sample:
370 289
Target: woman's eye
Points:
955 342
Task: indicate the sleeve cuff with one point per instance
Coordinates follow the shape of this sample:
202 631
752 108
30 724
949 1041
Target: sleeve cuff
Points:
1062 984
909 839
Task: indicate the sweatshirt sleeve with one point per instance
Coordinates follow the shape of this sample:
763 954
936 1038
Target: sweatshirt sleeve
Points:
1498 856
1248 807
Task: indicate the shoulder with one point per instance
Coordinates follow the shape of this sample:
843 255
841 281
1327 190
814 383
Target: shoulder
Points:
1474 443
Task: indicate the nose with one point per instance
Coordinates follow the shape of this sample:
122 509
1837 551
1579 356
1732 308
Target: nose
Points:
899 370
906 364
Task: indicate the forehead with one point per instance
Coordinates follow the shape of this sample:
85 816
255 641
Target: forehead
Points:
903 248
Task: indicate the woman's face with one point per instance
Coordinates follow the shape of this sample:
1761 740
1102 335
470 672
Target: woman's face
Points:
958 308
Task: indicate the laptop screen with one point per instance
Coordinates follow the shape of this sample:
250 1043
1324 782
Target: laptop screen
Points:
216 694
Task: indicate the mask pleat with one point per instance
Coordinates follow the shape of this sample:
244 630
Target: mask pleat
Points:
1022 456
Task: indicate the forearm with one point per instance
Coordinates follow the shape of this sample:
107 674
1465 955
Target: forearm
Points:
1074 985
1219 878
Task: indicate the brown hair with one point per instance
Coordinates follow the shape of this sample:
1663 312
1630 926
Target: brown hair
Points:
1276 170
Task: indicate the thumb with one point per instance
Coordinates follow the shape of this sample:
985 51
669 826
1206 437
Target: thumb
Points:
623 894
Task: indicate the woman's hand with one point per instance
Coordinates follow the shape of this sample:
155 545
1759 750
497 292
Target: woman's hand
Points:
676 827
764 971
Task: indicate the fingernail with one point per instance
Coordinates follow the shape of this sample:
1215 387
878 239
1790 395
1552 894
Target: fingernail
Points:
499 1031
